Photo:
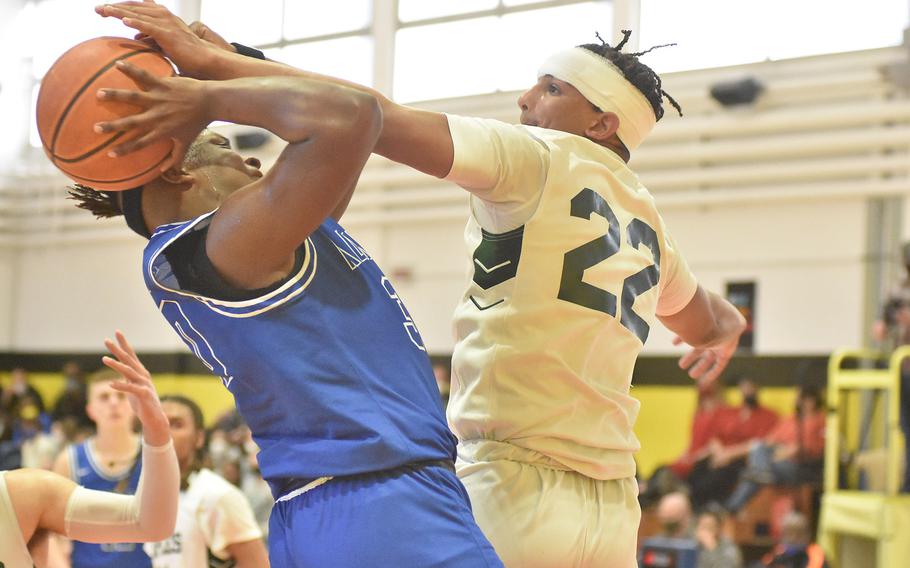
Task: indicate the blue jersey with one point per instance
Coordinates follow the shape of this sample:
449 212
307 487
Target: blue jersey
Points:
328 369
87 473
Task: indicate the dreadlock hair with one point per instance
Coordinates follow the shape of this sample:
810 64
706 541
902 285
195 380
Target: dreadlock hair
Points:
636 72
104 204
101 204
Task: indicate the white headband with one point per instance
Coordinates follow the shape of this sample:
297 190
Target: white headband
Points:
604 85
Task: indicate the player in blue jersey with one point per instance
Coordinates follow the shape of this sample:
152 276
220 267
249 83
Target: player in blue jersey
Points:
108 461
326 365
36 505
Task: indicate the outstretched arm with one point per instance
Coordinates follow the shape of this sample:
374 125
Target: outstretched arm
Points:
712 326
44 500
410 136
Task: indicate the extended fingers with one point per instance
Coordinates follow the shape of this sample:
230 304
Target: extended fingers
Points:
126 371
704 363
138 391
135 144
686 360
124 357
126 346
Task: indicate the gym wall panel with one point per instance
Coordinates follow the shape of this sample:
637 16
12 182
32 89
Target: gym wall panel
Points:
7 296
70 297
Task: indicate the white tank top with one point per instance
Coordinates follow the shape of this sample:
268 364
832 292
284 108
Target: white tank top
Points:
13 549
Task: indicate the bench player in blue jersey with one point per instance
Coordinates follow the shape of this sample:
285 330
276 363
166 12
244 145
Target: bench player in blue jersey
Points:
35 504
260 281
110 460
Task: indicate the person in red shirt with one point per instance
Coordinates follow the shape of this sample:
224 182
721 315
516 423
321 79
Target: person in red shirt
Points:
735 429
792 453
673 477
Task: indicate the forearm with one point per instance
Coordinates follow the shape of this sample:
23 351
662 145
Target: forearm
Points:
294 108
724 321
410 136
223 65
149 515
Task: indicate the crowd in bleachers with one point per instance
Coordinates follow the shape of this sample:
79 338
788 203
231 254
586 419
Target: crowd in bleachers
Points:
734 452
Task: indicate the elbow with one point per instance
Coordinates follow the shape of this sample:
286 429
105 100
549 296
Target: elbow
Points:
163 530
366 115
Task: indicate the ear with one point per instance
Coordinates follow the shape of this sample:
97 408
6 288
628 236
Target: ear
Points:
200 439
603 128
178 176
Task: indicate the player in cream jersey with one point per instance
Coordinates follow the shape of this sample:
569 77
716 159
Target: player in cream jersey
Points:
572 266
212 515
563 294
215 523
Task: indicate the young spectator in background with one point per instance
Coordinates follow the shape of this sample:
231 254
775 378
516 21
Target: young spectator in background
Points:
736 428
792 453
214 520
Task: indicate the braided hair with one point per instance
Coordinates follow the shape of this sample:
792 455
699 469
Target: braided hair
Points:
104 204
101 204
636 72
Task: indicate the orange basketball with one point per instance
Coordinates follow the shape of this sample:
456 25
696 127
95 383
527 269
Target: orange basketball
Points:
68 109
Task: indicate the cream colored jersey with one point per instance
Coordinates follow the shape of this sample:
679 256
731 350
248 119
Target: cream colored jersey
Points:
212 514
571 265
13 548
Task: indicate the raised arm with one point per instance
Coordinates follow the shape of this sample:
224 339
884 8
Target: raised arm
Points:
330 130
712 326
410 136
47 501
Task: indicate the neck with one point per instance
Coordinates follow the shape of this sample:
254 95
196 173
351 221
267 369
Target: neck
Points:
115 440
618 148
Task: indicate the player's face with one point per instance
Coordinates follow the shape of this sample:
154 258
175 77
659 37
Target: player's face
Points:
224 168
107 406
557 105
187 439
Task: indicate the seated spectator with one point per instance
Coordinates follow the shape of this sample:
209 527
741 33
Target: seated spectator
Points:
38 442
791 454
674 512
736 428
18 389
672 477
28 419
70 405
714 549
795 549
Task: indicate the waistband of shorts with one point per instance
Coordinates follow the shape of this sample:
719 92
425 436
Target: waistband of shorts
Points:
493 450
293 486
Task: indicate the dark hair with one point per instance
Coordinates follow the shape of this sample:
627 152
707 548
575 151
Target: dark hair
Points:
813 392
643 77
198 420
101 204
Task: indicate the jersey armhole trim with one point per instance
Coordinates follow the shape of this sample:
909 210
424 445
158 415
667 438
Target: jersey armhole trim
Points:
243 308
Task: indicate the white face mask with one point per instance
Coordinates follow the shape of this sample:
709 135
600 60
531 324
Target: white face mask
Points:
217 448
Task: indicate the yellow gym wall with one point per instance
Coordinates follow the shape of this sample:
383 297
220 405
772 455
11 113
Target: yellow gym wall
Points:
205 390
663 424
665 420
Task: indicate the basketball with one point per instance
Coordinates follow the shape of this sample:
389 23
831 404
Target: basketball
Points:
68 108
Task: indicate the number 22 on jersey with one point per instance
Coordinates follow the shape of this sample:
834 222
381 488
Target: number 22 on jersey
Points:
573 289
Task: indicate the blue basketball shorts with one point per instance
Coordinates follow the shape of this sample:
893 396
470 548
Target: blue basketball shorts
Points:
415 518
